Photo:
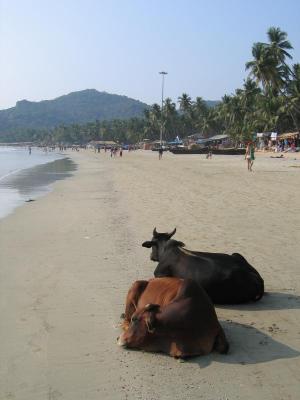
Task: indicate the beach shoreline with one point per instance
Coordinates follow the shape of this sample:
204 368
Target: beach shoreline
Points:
28 183
68 259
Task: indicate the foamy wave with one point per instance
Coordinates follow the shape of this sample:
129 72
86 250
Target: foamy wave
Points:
10 173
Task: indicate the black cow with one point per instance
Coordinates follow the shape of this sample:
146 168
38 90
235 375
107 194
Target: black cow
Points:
227 279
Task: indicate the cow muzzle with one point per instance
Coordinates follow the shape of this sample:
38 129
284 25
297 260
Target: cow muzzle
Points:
121 341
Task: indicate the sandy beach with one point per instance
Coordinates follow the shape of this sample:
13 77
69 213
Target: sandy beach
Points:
68 259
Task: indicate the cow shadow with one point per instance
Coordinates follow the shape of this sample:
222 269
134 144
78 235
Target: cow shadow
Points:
248 345
270 301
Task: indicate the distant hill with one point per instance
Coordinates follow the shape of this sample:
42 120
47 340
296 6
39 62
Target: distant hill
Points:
212 103
77 107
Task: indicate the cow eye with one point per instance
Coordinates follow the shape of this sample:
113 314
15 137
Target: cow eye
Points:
134 318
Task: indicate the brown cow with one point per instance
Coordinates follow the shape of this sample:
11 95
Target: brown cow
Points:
172 316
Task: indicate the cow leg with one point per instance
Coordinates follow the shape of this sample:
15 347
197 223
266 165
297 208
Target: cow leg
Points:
188 349
261 289
132 299
221 345
175 350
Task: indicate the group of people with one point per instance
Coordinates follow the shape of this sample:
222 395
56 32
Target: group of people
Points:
114 151
285 145
279 145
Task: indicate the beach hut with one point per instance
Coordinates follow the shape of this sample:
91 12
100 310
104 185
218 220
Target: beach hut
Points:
266 140
216 141
145 144
102 143
289 141
289 135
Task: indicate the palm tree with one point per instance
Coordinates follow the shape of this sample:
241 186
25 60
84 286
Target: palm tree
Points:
279 44
293 93
185 106
170 107
251 89
264 68
185 103
200 106
294 85
170 119
269 67
152 121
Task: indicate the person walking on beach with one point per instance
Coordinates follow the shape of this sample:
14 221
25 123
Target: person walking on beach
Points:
209 153
249 155
160 153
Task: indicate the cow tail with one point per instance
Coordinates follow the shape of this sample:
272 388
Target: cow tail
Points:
221 345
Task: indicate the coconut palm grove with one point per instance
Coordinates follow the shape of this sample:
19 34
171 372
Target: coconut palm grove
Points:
268 101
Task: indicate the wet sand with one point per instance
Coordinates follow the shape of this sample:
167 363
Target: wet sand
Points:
68 259
31 183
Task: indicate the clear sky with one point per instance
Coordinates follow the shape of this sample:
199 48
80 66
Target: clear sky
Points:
52 47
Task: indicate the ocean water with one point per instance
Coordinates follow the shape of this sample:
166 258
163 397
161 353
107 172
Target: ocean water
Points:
25 176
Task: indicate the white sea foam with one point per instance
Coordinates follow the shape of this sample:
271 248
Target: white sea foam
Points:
14 159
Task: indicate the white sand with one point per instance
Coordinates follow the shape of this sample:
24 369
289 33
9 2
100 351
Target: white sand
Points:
68 259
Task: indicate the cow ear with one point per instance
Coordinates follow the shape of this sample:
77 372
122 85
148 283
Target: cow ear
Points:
151 320
147 244
155 234
152 307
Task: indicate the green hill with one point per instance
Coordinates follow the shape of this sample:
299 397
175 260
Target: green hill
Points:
212 103
77 107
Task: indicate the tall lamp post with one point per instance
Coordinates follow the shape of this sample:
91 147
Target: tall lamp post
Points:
162 73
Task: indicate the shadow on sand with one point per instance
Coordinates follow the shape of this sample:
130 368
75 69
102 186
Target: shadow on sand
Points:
248 345
270 301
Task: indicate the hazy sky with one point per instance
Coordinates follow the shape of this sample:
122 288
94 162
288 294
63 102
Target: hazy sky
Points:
52 47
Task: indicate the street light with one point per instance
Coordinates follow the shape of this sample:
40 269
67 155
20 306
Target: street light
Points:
162 73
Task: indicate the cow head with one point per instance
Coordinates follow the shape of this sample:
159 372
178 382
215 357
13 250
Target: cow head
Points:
141 330
158 244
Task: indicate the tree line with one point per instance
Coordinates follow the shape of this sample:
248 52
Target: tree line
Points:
268 101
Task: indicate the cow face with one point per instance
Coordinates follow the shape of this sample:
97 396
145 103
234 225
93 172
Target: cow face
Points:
141 331
158 244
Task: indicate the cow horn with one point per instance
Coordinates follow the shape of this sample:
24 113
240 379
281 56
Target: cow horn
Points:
172 233
155 232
